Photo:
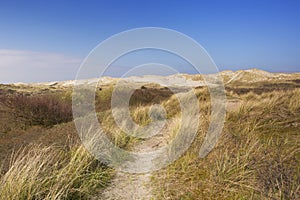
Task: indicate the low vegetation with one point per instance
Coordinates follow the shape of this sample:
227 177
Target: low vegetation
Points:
44 110
256 157
51 172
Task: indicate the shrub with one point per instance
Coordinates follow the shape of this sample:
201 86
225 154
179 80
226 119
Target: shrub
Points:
45 110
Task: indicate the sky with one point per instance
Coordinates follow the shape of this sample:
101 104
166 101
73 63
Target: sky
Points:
48 40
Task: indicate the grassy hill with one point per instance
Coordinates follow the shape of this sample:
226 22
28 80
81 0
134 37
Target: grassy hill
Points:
256 157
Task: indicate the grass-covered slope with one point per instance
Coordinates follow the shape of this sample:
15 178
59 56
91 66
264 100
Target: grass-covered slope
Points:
257 155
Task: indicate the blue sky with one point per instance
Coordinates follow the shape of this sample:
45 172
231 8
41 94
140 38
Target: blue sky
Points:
47 40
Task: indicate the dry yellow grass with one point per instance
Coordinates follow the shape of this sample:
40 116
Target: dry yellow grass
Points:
257 156
37 172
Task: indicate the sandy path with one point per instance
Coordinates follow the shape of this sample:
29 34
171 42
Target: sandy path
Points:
127 186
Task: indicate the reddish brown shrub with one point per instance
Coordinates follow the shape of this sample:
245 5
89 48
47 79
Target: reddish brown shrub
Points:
45 110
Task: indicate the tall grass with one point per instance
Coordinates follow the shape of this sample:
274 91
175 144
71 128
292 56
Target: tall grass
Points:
37 172
257 156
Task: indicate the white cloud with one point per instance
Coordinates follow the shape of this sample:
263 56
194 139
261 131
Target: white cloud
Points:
30 66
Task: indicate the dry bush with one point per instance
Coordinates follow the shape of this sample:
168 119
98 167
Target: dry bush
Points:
140 115
111 129
45 110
